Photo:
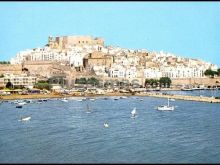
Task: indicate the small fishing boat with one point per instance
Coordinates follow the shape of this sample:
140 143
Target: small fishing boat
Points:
64 100
25 118
116 98
123 97
19 106
39 101
22 103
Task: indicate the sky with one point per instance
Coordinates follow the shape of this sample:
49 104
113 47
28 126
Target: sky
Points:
187 29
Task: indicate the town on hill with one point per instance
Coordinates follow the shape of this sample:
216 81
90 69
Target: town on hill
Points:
71 61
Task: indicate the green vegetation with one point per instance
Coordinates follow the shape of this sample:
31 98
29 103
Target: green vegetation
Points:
81 81
4 62
165 81
211 73
218 71
162 82
91 80
1 75
9 85
42 85
152 82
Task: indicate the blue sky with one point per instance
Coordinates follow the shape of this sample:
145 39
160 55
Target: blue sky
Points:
188 29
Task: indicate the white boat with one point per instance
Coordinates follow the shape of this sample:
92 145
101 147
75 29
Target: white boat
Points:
116 98
166 107
186 89
106 125
21 103
64 100
25 118
92 99
134 113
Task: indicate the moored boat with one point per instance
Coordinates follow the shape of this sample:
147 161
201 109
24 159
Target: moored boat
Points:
25 118
166 107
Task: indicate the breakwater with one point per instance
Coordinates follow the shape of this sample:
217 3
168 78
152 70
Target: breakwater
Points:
183 97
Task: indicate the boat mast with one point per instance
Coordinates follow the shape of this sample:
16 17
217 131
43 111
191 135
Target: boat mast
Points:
168 103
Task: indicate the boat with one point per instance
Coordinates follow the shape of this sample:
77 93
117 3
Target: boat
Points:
166 107
133 113
19 106
106 125
123 97
25 118
64 100
92 99
186 89
21 103
88 110
39 101
116 98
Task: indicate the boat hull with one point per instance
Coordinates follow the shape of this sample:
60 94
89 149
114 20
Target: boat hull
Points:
165 108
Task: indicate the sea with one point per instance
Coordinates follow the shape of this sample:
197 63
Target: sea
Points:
206 93
64 132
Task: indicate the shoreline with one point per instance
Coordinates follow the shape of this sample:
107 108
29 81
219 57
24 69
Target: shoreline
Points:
157 95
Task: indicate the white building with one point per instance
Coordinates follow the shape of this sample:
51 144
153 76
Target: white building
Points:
100 71
131 72
20 57
117 71
18 80
153 73
183 72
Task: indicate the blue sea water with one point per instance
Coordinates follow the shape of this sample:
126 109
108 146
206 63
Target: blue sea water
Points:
60 132
207 93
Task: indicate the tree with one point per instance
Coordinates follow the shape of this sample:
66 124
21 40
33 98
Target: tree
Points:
9 85
165 81
93 81
4 62
42 85
81 81
1 75
151 82
210 72
218 71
